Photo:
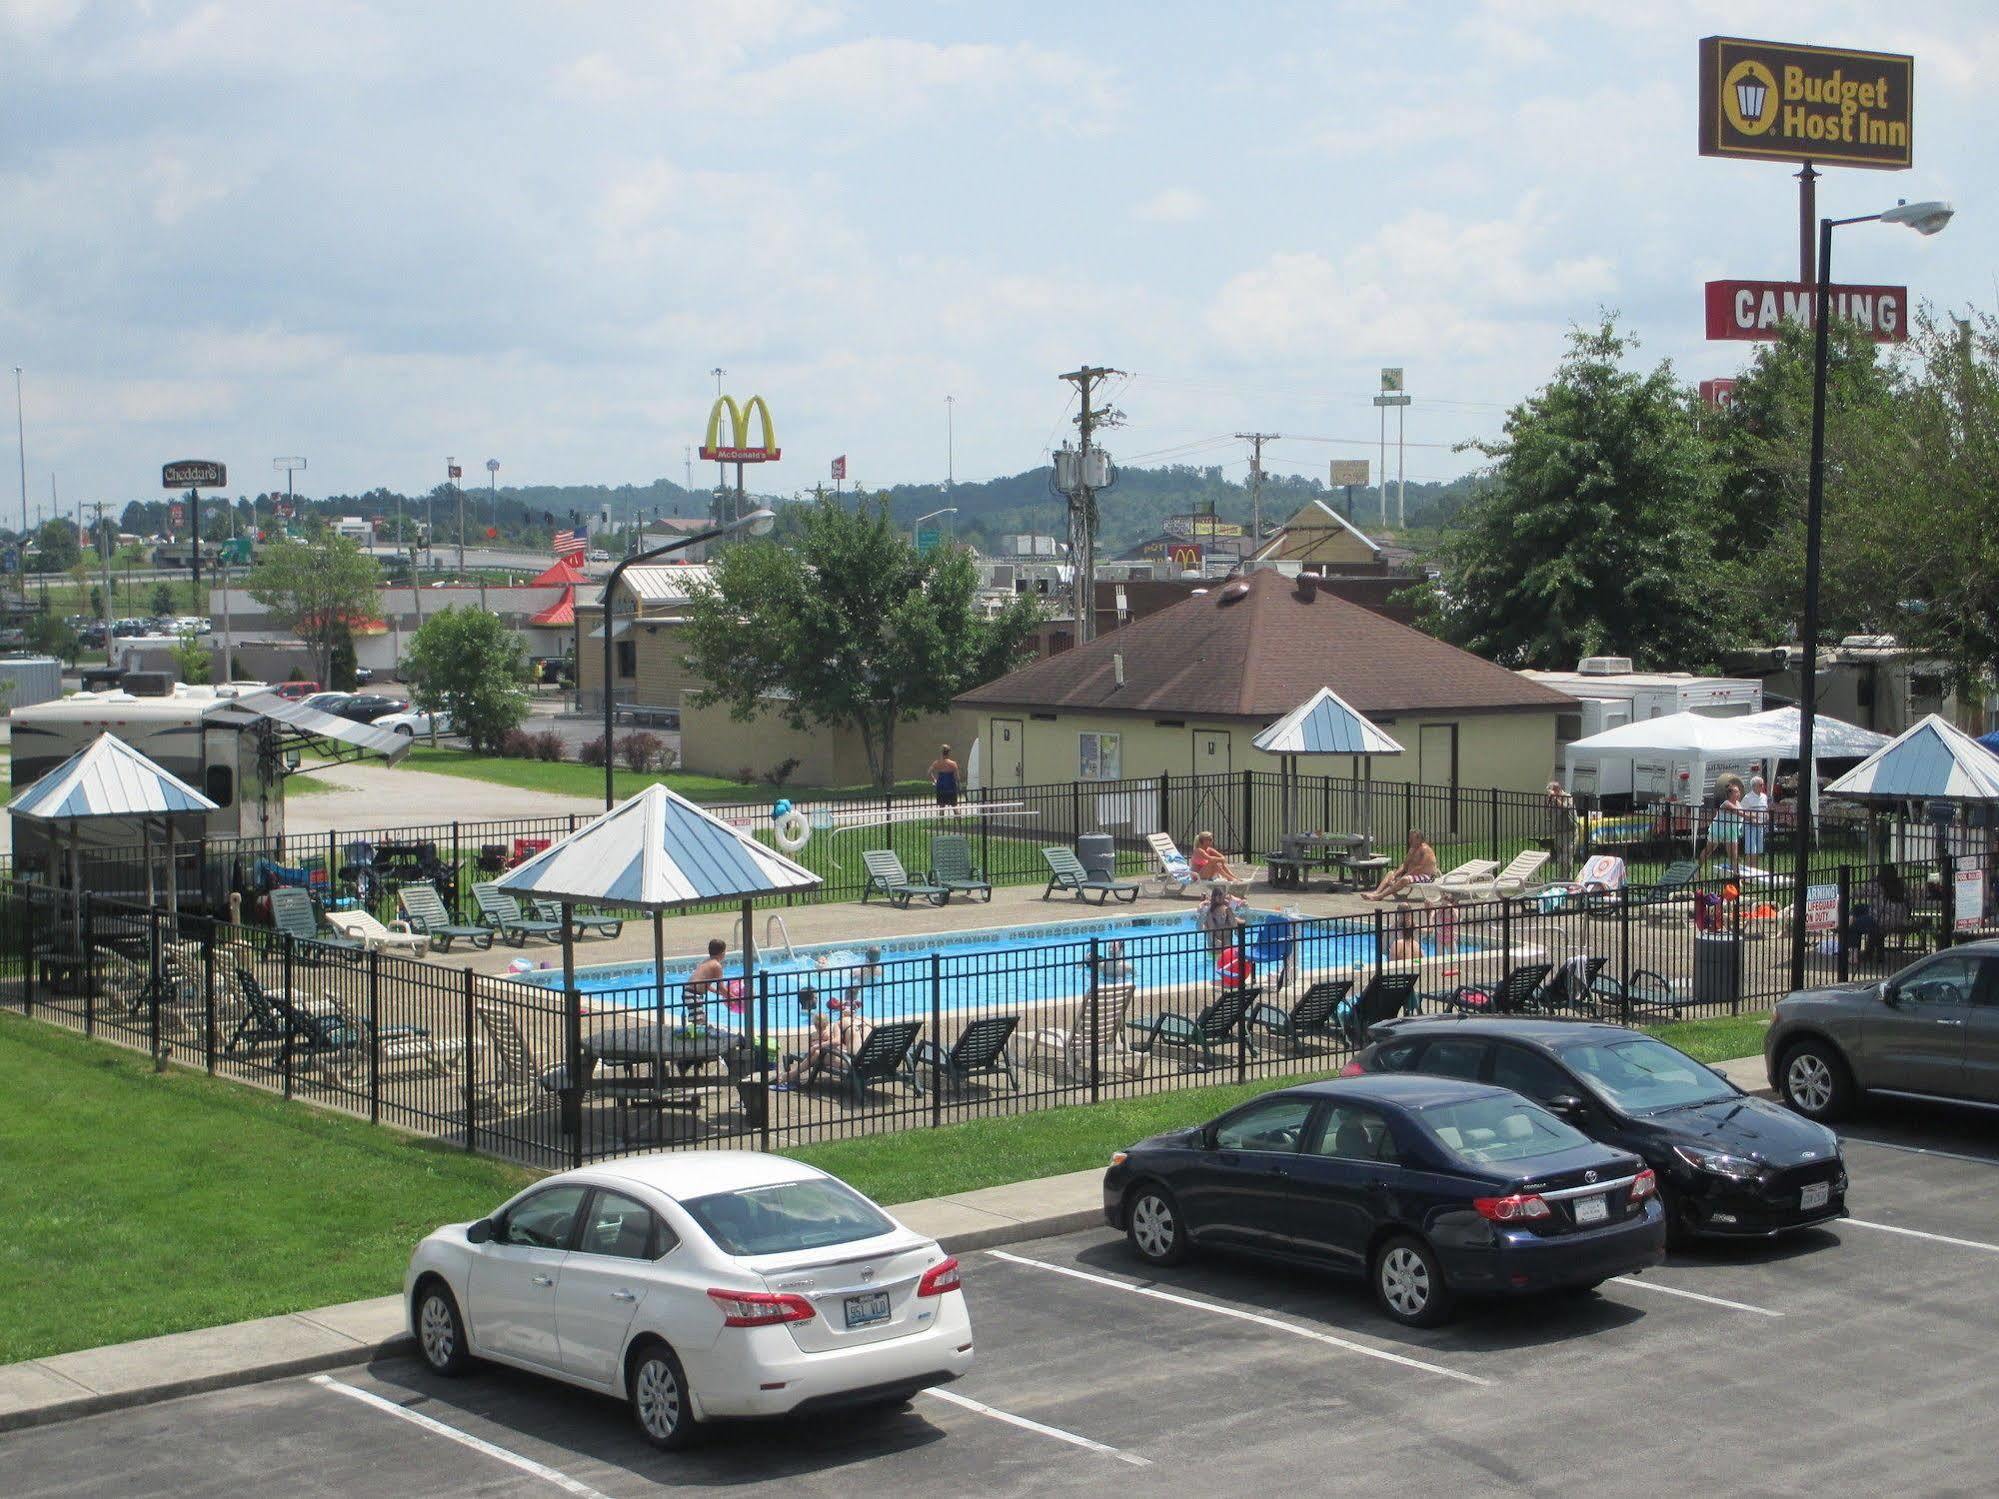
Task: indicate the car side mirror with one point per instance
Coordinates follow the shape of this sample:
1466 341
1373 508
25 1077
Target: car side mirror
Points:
480 1232
1891 996
1207 1137
1566 1106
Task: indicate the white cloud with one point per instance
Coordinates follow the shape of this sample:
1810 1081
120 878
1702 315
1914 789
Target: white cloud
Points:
1173 205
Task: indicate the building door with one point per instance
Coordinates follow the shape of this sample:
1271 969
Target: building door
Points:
1437 766
1009 753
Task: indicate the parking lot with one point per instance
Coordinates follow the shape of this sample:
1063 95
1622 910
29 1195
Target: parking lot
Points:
1858 1358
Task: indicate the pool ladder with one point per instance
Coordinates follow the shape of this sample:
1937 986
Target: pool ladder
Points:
773 920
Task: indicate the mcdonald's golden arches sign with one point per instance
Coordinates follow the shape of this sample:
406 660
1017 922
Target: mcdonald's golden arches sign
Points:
738 448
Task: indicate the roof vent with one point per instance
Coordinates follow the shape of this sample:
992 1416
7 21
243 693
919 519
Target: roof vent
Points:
1236 590
1117 666
1603 666
1196 592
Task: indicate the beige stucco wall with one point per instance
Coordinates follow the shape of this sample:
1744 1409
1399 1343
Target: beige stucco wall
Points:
713 743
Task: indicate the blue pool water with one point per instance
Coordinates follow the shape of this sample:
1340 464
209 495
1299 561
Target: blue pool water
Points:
992 967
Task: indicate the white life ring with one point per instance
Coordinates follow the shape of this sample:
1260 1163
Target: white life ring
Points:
792 831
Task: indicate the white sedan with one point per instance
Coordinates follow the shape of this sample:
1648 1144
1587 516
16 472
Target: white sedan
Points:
414 723
696 1285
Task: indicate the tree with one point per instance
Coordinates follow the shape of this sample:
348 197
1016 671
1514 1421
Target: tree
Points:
1595 536
56 547
851 628
471 665
163 598
342 669
191 660
315 590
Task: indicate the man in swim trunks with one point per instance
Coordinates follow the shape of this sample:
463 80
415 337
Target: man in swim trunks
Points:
944 776
1418 867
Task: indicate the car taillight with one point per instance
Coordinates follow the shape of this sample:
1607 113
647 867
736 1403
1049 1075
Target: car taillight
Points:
1520 1207
939 1278
1353 1069
1645 1184
760 1308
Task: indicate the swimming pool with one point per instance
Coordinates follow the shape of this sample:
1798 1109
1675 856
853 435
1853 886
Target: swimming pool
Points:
991 967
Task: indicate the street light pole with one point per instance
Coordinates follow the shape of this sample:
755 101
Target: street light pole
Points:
493 493
915 526
758 523
950 439
21 444
1924 218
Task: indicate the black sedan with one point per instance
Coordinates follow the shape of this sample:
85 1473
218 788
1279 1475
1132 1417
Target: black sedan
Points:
1729 1165
1429 1187
366 707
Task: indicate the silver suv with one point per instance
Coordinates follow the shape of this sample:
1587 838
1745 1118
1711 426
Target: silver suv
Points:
1931 1031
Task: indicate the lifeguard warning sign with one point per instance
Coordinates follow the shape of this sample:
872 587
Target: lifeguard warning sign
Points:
1772 101
1757 310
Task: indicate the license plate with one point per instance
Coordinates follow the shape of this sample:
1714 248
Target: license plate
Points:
1592 1209
865 1311
1817 1195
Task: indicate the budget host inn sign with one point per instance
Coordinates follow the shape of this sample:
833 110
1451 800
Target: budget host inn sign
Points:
1770 101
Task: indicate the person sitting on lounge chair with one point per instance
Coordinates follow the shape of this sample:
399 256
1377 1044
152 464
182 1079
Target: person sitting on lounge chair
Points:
1210 863
823 1038
1418 867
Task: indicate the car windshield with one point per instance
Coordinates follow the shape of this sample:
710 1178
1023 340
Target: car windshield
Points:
1641 1075
788 1216
1499 1128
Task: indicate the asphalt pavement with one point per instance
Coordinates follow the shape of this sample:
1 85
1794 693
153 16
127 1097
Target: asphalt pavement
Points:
1860 1358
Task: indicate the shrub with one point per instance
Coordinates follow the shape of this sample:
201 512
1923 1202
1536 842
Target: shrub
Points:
592 753
517 744
778 774
642 750
548 745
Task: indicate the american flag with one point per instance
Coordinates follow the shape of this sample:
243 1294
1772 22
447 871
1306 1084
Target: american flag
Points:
568 543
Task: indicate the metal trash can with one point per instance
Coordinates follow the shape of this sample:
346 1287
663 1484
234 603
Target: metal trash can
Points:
1097 852
1717 968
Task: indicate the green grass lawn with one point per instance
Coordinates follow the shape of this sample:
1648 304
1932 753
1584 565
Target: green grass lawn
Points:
137 1203
1718 1040
567 778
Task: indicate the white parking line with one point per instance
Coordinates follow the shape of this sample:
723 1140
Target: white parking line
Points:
526 1464
1917 1233
1036 1426
1274 1323
1948 1155
1653 1285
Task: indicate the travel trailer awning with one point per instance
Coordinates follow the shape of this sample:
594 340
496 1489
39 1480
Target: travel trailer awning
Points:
296 726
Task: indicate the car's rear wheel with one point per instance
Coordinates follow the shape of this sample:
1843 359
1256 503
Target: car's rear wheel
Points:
1152 1223
440 1331
1815 1081
1409 1283
657 1387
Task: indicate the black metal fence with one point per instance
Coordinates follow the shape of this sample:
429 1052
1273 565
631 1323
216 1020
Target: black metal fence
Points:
1249 812
936 1030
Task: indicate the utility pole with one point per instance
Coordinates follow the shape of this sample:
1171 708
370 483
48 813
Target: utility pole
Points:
721 482
1256 440
105 548
21 443
451 475
1083 500
950 440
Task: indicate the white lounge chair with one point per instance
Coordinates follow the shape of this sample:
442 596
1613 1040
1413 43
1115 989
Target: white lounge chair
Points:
1512 880
1099 1024
1457 882
371 934
1176 875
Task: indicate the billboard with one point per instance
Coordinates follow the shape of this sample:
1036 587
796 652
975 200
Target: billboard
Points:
1756 310
1203 525
1347 471
193 473
1185 555
1719 394
1772 101
1391 380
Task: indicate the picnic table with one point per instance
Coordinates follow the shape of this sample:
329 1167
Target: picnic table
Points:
1345 854
666 1067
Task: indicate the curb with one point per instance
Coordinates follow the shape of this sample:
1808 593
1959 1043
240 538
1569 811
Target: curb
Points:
402 1343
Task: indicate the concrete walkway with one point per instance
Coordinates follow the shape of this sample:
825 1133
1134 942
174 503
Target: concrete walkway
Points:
374 796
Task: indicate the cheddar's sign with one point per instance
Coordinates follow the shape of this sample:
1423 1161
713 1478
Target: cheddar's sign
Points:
738 448
1769 101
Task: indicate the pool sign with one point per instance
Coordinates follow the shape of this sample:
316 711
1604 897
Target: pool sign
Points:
1968 899
1757 310
1772 101
1821 908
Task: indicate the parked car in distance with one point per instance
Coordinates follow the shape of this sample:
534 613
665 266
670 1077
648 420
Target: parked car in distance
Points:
414 722
1929 1031
296 692
1727 1164
695 1286
1430 1187
326 702
366 707
599 556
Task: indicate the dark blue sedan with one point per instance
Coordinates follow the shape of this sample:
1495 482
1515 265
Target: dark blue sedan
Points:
1429 1186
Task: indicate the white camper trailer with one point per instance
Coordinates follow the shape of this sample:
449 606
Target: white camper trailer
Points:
1610 694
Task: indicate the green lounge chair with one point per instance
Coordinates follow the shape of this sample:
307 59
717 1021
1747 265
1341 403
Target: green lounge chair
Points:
1225 1017
423 907
1313 1018
582 923
1386 996
1513 996
500 911
1066 872
886 874
979 1051
293 913
951 866
884 1057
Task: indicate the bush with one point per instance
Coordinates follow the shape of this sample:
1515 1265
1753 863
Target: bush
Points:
642 751
517 744
592 753
778 774
548 745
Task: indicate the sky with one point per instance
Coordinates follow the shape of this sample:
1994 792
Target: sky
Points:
381 235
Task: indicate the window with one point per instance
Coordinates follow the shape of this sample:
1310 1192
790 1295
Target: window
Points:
543 1221
1528 1072
628 659
1499 1129
1454 1059
1641 1075
1949 980
625 1229
1100 758
1357 1134
1397 1056
219 784
787 1216
1274 1124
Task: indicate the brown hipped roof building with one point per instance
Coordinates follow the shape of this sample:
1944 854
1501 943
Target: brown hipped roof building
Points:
1257 647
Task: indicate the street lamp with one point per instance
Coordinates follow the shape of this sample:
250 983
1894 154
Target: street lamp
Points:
758 523
915 525
1925 218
